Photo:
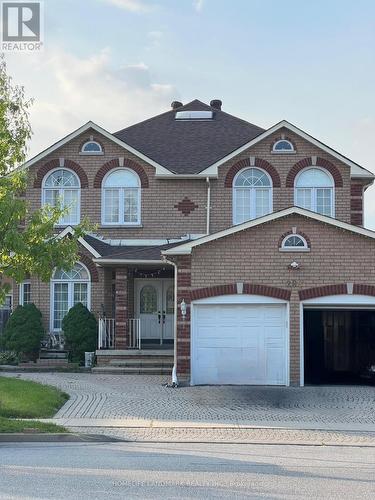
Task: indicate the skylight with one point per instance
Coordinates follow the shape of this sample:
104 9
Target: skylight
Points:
194 115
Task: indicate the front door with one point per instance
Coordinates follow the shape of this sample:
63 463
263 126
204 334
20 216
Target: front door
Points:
155 309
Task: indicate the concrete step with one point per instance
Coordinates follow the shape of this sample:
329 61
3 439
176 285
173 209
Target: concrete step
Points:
131 353
52 362
132 370
141 362
53 354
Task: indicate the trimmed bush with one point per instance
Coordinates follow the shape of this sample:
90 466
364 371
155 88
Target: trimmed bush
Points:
8 358
24 332
80 332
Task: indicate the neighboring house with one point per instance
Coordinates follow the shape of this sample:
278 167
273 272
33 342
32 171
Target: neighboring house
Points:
200 207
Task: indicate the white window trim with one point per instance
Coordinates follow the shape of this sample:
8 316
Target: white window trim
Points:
91 153
253 189
305 247
44 188
314 189
21 291
283 151
121 201
70 294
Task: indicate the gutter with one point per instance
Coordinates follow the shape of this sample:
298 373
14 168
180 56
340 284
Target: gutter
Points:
174 370
127 261
208 204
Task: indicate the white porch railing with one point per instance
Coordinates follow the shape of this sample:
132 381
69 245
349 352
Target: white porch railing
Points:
134 333
106 333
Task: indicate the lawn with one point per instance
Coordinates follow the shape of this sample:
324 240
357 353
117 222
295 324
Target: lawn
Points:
25 399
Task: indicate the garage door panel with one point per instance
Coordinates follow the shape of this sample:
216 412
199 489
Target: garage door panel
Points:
239 344
275 365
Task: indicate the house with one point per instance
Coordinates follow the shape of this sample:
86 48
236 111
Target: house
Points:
240 251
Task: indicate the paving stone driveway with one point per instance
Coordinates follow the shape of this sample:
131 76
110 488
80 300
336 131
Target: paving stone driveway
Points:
120 399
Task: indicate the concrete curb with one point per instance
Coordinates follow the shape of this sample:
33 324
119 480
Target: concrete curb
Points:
37 437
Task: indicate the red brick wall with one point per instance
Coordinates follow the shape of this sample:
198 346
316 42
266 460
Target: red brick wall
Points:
253 257
163 201
283 197
41 291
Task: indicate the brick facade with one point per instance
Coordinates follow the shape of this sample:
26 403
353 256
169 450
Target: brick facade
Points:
171 208
252 257
159 216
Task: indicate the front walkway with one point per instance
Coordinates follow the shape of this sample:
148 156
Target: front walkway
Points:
142 406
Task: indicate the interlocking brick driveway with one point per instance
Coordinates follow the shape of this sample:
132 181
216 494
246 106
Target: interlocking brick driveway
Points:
118 401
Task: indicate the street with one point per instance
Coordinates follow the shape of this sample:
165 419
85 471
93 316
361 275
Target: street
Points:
181 470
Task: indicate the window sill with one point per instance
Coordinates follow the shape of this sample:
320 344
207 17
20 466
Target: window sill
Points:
283 152
91 154
121 226
294 250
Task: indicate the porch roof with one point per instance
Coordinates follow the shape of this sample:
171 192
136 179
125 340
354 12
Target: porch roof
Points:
150 254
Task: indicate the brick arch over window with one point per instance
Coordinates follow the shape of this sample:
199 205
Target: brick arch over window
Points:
290 233
309 162
110 165
258 162
90 266
248 288
337 289
55 163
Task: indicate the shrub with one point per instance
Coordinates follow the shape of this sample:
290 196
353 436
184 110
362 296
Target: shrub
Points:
8 358
24 331
80 331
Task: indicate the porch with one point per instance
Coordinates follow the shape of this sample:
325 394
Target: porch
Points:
136 324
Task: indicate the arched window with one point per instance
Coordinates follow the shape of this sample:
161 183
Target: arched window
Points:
294 243
61 187
252 195
314 191
121 198
283 146
91 148
68 289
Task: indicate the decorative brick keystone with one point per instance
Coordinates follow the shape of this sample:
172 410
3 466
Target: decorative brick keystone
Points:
186 206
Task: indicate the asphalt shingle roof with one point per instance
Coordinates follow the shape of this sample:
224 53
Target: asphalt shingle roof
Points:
189 146
128 252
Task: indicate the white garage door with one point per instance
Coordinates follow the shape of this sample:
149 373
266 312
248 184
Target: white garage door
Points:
239 344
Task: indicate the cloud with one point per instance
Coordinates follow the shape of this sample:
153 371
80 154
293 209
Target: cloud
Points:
130 5
71 90
198 5
155 38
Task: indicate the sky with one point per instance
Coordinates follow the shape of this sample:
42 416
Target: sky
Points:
117 62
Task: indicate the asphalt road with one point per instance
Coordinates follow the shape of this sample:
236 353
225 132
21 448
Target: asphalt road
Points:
153 470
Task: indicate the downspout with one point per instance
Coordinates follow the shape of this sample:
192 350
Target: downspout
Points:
174 370
208 204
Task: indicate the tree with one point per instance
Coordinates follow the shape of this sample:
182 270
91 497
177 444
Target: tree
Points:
28 243
80 332
24 331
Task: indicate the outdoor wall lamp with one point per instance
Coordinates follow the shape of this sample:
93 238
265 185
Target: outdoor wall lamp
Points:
294 265
183 308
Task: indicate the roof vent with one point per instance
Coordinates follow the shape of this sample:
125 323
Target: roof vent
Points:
194 115
216 103
176 104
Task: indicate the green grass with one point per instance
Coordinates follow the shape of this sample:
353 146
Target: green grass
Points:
25 399
13 425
